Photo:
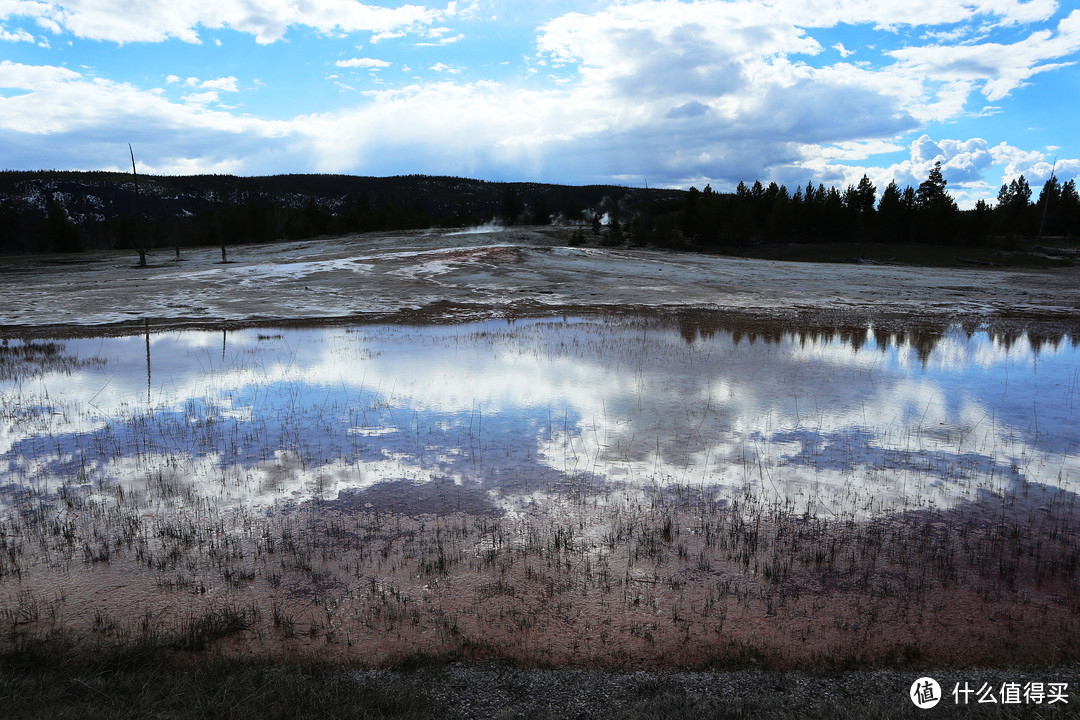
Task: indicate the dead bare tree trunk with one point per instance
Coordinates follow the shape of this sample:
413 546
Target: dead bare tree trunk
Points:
138 215
146 325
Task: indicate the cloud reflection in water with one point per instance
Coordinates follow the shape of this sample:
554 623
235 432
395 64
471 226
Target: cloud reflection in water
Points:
854 421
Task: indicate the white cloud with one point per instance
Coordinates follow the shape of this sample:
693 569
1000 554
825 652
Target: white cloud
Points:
965 164
915 13
740 61
665 39
1034 165
225 84
202 98
651 62
80 121
386 35
1000 68
434 127
952 35
49 24
442 41
961 161
372 63
852 151
690 109
665 89
210 89
124 22
679 92
19 35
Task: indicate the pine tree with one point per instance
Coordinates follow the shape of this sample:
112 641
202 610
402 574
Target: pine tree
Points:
867 193
890 199
1014 208
891 214
1070 209
1048 207
937 211
10 227
61 235
931 192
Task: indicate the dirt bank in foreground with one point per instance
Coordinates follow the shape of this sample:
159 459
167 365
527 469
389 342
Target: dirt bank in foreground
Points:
514 272
161 688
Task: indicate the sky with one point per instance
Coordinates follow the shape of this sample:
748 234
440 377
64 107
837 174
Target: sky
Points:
659 92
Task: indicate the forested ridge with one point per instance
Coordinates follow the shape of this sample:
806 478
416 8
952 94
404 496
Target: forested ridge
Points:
51 211
60 212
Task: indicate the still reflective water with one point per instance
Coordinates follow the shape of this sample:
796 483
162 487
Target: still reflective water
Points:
494 416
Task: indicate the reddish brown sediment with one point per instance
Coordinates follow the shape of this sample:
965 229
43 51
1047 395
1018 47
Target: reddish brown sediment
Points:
992 583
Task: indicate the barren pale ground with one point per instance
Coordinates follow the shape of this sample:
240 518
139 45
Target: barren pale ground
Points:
431 275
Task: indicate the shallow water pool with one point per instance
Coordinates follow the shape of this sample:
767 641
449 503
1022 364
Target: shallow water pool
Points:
492 417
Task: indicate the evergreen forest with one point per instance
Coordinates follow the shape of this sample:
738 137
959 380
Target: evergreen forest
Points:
66 212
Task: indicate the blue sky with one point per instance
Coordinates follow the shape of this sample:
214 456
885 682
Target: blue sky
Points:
661 91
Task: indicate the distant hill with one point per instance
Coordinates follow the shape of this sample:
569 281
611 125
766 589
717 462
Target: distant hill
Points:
70 211
75 211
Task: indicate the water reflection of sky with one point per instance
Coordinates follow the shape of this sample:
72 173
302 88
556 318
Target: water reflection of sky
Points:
852 422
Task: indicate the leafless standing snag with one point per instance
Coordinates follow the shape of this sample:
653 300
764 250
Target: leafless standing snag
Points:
138 239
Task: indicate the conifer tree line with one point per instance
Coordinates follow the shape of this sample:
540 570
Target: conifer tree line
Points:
211 217
926 214
70 212
60 212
